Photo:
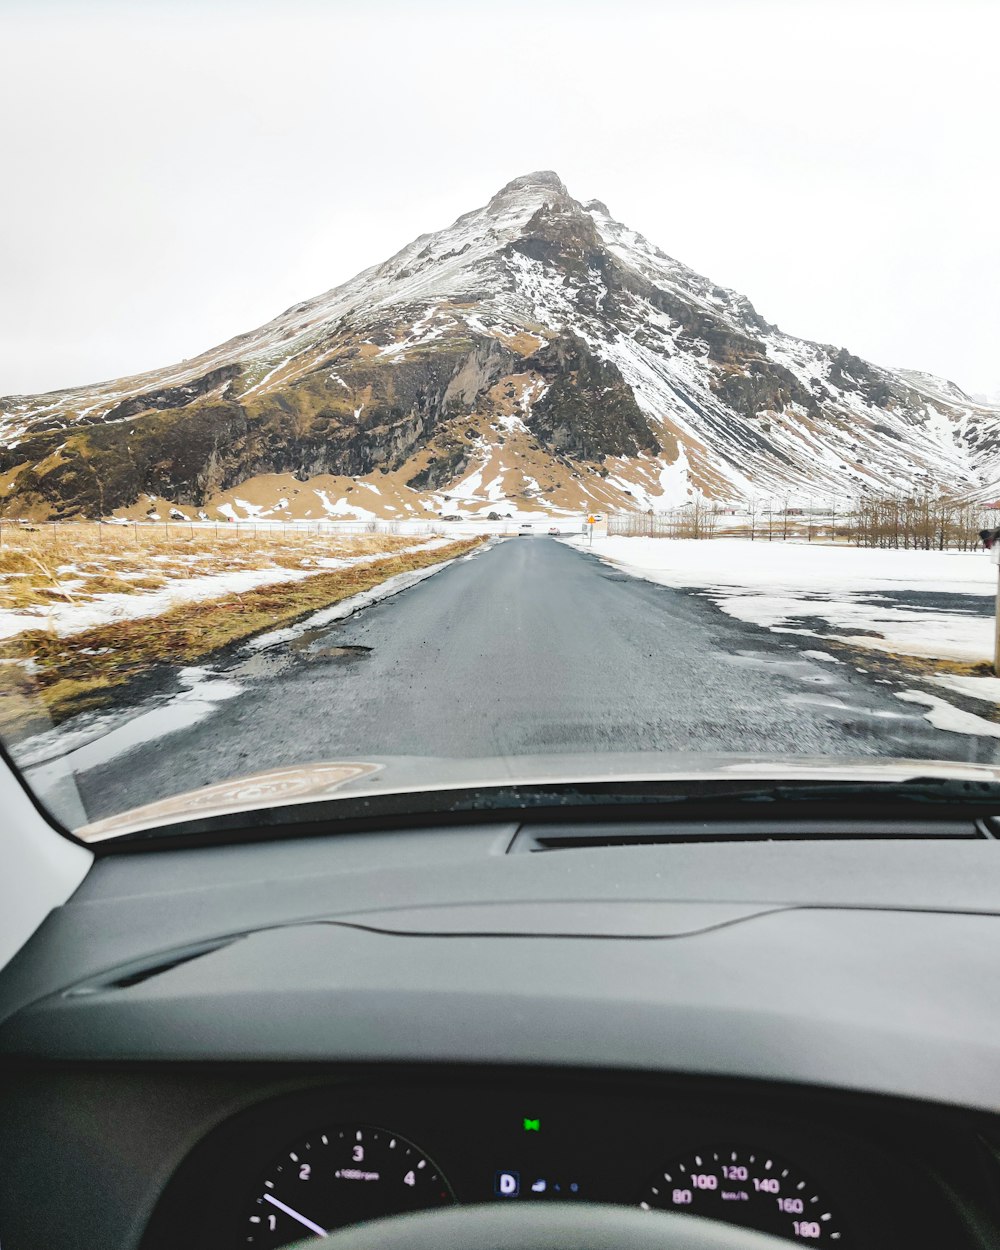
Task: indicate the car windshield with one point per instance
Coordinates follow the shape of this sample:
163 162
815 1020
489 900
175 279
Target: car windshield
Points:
403 400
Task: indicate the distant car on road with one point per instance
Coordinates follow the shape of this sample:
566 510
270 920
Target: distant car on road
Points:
554 530
525 527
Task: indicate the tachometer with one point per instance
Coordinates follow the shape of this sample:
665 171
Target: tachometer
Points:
337 1176
753 1188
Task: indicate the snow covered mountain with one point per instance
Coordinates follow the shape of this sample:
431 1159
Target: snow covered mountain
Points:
536 355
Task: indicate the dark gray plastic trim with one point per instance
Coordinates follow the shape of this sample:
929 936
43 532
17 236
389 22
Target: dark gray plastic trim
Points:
892 1002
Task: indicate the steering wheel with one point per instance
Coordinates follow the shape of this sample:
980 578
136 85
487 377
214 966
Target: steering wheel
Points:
552 1226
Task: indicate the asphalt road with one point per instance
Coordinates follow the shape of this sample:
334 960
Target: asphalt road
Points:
527 647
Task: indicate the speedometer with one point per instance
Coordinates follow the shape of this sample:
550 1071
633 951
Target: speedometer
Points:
753 1188
340 1175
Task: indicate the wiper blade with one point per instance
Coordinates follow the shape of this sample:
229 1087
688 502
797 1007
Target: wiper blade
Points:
729 793
697 801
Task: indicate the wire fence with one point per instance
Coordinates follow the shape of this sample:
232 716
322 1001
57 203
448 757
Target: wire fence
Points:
113 533
221 529
923 523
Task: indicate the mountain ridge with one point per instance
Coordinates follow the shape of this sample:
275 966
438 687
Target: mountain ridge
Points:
535 356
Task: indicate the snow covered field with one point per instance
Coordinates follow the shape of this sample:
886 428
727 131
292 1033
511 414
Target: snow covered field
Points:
936 604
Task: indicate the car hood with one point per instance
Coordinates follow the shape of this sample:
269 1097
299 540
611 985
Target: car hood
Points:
335 780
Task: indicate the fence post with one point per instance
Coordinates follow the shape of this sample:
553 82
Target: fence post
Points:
996 628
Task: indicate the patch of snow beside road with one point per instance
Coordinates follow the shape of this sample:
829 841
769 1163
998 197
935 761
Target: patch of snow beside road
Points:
985 688
942 715
852 594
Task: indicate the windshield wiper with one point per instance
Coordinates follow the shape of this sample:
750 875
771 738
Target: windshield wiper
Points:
922 806
729 792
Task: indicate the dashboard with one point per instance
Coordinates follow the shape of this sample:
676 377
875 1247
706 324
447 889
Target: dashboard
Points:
251 1046
326 1157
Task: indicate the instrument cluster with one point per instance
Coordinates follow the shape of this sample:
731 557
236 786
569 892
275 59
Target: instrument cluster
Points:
314 1160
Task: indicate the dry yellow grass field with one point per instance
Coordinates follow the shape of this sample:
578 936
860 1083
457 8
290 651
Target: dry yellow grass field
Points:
73 562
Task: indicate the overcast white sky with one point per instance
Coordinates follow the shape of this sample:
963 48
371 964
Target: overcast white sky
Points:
174 173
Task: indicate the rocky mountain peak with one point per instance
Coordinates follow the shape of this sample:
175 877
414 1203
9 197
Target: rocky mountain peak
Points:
536 354
537 188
